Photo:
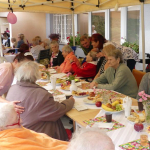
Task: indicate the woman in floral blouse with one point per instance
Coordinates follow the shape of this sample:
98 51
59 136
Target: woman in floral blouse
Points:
56 58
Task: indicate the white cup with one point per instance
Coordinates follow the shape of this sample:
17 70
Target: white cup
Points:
53 82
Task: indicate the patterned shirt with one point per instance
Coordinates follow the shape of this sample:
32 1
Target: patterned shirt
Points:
127 52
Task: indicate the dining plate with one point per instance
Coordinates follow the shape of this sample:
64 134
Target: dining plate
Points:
79 96
134 122
65 89
58 84
86 101
113 112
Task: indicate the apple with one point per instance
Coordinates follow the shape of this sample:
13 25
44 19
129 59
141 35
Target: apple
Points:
138 127
98 104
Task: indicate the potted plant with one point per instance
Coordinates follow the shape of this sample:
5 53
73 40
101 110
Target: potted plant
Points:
77 41
134 45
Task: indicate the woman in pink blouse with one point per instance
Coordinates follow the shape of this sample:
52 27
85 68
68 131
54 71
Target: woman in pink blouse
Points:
7 73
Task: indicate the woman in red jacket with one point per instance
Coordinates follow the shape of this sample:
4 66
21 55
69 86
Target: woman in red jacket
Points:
88 69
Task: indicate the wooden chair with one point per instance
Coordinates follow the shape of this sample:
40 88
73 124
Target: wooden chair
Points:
138 75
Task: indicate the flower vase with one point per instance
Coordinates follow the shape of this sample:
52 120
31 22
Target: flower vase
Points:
73 86
74 48
147 111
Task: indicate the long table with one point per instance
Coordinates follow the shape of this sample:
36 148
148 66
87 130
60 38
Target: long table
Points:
119 136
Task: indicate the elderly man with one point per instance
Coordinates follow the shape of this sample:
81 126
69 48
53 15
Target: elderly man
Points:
68 54
90 139
42 114
86 44
35 50
13 136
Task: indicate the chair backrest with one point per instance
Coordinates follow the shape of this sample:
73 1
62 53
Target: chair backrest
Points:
44 54
138 75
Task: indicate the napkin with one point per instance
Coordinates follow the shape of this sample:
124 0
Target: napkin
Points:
79 107
60 98
102 125
127 103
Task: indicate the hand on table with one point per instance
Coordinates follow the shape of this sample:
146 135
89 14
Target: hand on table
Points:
92 84
71 98
18 109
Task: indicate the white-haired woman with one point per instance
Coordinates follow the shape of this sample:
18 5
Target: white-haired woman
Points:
42 113
90 139
117 76
20 40
88 69
13 136
46 43
68 54
35 50
56 57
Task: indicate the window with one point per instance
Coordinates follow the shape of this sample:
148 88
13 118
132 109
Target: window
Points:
62 24
115 25
98 20
133 22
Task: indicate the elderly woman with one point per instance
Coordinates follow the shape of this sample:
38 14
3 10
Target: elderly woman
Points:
56 58
46 43
13 136
20 40
35 50
88 69
117 77
92 135
7 71
42 114
68 54
144 85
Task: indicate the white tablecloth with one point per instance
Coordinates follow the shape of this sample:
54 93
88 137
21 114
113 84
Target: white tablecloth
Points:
119 136
10 58
78 101
125 134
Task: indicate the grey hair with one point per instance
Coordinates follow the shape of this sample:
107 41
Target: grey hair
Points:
8 115
38 38
28 72
35 41
21 36
93 55
47 43
54 43
90 139
13 39
67 48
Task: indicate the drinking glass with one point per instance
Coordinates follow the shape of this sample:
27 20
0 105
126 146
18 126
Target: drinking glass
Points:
108 117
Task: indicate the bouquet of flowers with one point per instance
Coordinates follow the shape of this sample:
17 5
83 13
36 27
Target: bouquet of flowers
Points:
44 72
77 40
70 76
145 99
